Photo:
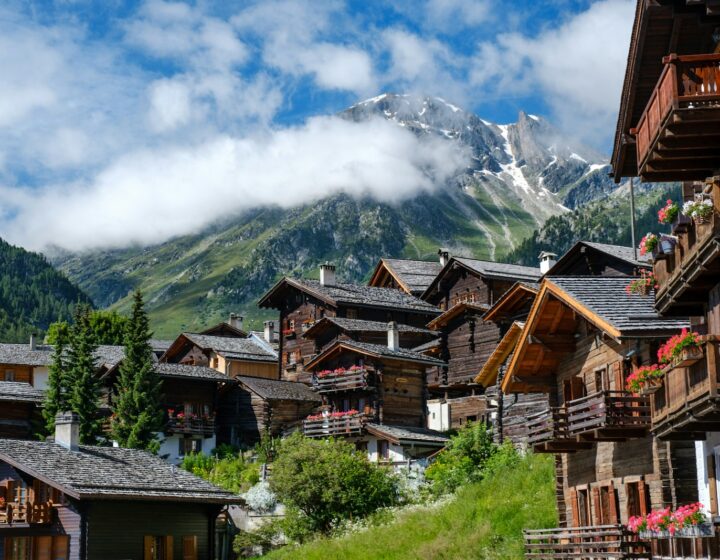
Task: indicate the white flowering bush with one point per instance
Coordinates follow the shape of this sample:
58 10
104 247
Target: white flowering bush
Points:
698 208
260 498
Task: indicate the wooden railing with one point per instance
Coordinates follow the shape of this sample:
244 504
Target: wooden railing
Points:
547 426
342 426
26 513
603 541
688 81
608 410
341 382
195 426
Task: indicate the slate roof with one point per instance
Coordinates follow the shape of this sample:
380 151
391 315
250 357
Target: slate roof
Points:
385 352
360 325
22 355
15 391
110 473
631 314
621 252
274 389
160 345
501 270
109 356
402 434
233 348
356 295
182 371
416 275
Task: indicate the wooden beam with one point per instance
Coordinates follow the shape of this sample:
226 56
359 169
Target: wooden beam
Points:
553 342
544 382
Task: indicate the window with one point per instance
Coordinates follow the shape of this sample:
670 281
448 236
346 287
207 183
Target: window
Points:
583 508
37 548
18 548
351 313
9 375
637 498
189 445
158 548
383 450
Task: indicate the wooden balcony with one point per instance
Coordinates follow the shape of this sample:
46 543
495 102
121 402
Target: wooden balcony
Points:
678 135
27 513
609 416
603 541
688 403
343 426
338 382
193 426
548 432
686 276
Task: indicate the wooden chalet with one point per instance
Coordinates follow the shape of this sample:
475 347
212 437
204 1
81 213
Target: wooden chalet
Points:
412 277
587 258
26 363
64 501
582 338
20 405
302 303
230 355
233 327
374 394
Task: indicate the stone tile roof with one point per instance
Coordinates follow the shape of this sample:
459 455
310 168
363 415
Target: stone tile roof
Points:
416 275
110 473
160 345
15 391
360 325
385 352
401 434
22 355
109 356
605 296
621 252
182 371
275 389
234 348
501 270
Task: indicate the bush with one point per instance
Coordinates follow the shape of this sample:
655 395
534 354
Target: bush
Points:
328 481
260 498
463 460
233 473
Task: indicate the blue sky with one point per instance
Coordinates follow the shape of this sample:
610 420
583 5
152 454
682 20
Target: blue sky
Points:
96 93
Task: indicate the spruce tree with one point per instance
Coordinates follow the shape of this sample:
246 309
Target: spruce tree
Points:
137 416
80 379
56 395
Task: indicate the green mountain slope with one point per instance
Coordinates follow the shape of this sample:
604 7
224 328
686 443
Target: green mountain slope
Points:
32 294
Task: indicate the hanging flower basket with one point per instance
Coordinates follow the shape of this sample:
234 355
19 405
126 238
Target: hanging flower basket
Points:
668 213
689 356
701 211
643 284
671 352
652 384
648 244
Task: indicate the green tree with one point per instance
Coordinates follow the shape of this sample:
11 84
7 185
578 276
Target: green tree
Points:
137 416
80 379
108 327
56 395
328 480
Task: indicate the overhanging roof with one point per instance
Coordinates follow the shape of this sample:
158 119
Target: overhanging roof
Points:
412 275
489 372
512 300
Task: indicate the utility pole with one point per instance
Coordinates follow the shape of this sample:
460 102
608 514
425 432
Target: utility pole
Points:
632 217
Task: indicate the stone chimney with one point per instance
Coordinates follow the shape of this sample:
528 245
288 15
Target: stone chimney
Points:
327 274
236 321
444 256
33 342
393 336
547 261
269 331
67 430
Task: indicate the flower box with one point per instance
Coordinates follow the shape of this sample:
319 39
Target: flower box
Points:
651 386
689 356
702 530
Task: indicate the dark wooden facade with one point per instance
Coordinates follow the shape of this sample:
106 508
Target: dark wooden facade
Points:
598 259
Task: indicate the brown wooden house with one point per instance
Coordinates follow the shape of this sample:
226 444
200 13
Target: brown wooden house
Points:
64 501
302 303
582 338
26 363
20 405
587 258
411 276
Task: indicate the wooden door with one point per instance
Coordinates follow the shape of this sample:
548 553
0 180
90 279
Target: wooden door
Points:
189 547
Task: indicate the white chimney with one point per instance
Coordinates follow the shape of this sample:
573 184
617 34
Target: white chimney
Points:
547 261
269 331
236 321
327 274
33 343
67 430
444 256
393 336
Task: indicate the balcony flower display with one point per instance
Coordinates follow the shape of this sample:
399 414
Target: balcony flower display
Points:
685 521
648 243
645 379
668 213
339 371
643 284
699 210
288 332
333 415
677 346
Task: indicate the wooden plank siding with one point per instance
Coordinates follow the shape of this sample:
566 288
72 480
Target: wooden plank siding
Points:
14 372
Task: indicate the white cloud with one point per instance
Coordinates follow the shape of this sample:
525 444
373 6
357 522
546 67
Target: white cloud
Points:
152 195
452 14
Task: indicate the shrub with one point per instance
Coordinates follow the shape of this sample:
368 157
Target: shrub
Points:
234 473
328 480
260 498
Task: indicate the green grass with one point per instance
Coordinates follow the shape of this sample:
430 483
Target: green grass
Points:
485 521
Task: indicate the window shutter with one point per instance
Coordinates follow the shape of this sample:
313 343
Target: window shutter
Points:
613 504
169 548
597 506
644 497
189 548
712 484
149 546
43 548
574 506
61 547
619 381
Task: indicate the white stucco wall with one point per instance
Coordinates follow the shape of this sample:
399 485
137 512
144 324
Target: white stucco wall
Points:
704 449
396 452
438 416
170 446
40 377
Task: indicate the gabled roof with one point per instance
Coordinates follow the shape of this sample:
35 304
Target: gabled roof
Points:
15 391
231 348
182 371
400 435
350 295
275 389
358 326
23 355
109 356
485 269
375 351
511 301
109 473
224 328
455 311
159 345
413 276
618 252
489 372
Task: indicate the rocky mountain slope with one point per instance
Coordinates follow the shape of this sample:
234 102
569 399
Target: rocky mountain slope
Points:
520 175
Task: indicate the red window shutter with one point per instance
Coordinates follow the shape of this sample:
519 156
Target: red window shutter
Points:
613 505
574 506
644 498
597 506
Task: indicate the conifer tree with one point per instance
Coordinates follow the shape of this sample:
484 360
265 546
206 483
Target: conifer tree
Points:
80 379
137 415
56 395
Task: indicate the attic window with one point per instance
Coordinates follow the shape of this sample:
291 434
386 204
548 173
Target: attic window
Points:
9 375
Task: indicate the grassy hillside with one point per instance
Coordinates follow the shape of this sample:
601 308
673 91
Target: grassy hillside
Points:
484 521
